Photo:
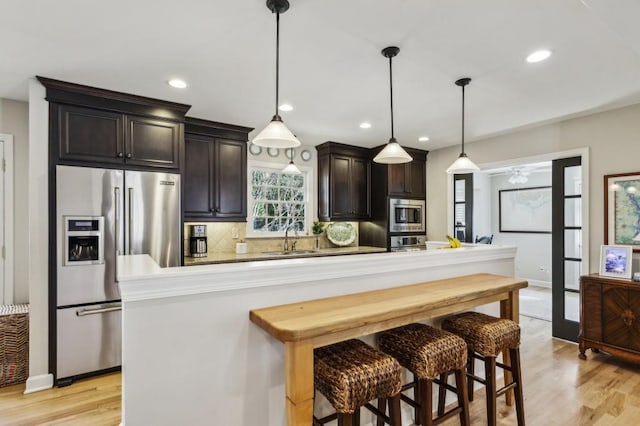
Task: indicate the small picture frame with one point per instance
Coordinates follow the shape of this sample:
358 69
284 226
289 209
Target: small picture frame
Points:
615 261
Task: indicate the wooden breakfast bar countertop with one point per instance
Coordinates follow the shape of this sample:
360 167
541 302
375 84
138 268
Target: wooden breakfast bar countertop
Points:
306 325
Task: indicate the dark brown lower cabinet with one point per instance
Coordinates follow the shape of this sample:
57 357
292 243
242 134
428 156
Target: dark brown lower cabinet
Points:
610 316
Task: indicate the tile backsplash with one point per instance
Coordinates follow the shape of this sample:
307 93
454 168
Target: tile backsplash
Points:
221 239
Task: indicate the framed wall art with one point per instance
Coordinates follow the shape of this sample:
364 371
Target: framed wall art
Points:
525 210
622 210
615 261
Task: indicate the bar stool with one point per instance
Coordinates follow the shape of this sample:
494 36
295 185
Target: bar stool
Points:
429 353
486 338
350 374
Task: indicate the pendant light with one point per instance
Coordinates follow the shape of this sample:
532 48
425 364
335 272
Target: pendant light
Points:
463 164
291 168
276 134
392 153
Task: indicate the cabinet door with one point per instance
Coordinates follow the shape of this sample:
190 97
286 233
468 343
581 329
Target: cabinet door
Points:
407 179
198 176
152 142
616 314
360 187
87 134
340 187
417 179
591 309
230 179
399 176
634 318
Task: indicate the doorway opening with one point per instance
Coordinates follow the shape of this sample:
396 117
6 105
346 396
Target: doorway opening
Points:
520 202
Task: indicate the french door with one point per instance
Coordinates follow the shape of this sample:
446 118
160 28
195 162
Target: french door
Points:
463 207
566 246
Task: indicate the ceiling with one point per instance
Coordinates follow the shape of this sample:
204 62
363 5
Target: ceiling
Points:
332 71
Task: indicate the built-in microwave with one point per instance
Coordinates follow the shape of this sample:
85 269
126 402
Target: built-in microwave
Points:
406 215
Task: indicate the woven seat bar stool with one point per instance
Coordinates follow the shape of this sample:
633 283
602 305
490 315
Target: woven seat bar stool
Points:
486 338
350 374
429 353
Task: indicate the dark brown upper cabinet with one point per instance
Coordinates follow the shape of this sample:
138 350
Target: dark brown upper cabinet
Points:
407 180
344 182
152 142
90 125
215 172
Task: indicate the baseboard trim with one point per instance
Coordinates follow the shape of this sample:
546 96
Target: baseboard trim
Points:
39 383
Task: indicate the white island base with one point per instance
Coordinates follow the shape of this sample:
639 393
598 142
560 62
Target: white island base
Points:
192 357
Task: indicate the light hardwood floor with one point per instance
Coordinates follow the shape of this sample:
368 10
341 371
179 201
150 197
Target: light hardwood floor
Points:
559 390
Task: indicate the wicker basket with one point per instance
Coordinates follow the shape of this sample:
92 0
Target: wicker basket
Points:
14 344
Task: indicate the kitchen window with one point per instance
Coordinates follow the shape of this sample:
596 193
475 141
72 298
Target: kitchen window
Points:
277 201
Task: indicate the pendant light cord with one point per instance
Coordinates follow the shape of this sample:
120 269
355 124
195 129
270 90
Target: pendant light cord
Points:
277 62
462 119
391 95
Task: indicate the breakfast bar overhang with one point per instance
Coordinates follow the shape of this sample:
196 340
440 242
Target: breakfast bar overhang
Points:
191 355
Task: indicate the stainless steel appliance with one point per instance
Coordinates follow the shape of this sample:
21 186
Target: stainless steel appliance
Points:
198 240
406 215
101 213
408 243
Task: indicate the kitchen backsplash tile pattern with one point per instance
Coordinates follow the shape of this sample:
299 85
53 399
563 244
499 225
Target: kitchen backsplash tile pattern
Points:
220 239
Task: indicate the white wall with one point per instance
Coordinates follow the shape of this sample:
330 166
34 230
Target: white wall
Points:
533 259
612 138
14 120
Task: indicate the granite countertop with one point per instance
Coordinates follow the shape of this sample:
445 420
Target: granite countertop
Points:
250 257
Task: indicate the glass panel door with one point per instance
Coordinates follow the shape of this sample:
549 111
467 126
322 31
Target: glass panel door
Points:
567 246
463 207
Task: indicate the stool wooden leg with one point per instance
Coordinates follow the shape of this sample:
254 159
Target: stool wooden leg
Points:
426 402
345 419
463 398
394 410
517 377
471 367
416 398
382 406
490 377
442 393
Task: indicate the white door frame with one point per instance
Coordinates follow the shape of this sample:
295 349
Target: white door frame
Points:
7 293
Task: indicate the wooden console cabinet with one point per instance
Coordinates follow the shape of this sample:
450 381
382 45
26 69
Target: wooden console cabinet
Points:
610 317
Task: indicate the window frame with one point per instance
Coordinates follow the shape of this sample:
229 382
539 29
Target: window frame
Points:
308 201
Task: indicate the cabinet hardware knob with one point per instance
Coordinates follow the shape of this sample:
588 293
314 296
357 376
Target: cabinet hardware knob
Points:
628 317
120 155
129 155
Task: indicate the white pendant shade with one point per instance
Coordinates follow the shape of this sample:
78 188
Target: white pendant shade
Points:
291 169
463 165
276 135
392 153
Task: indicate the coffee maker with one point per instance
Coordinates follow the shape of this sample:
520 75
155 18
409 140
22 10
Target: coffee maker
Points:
198 240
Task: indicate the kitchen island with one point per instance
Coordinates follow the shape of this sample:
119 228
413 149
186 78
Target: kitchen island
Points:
190 353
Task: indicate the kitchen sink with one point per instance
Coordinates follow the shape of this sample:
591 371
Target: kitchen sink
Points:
290 253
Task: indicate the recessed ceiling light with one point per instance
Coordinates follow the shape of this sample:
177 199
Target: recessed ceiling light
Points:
538 55
423 138
285 107
177 83
365 125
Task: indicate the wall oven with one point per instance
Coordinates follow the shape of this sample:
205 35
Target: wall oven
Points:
406 215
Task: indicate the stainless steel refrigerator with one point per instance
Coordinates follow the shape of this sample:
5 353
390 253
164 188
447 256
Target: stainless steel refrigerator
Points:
101 213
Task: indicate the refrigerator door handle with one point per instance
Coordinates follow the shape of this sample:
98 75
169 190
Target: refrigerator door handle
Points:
130 251
85 312
117 219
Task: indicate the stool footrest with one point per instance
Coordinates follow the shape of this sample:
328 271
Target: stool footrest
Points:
378 413
506 388
447 415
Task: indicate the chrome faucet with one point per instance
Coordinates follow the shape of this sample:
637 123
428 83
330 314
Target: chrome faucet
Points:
285 248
